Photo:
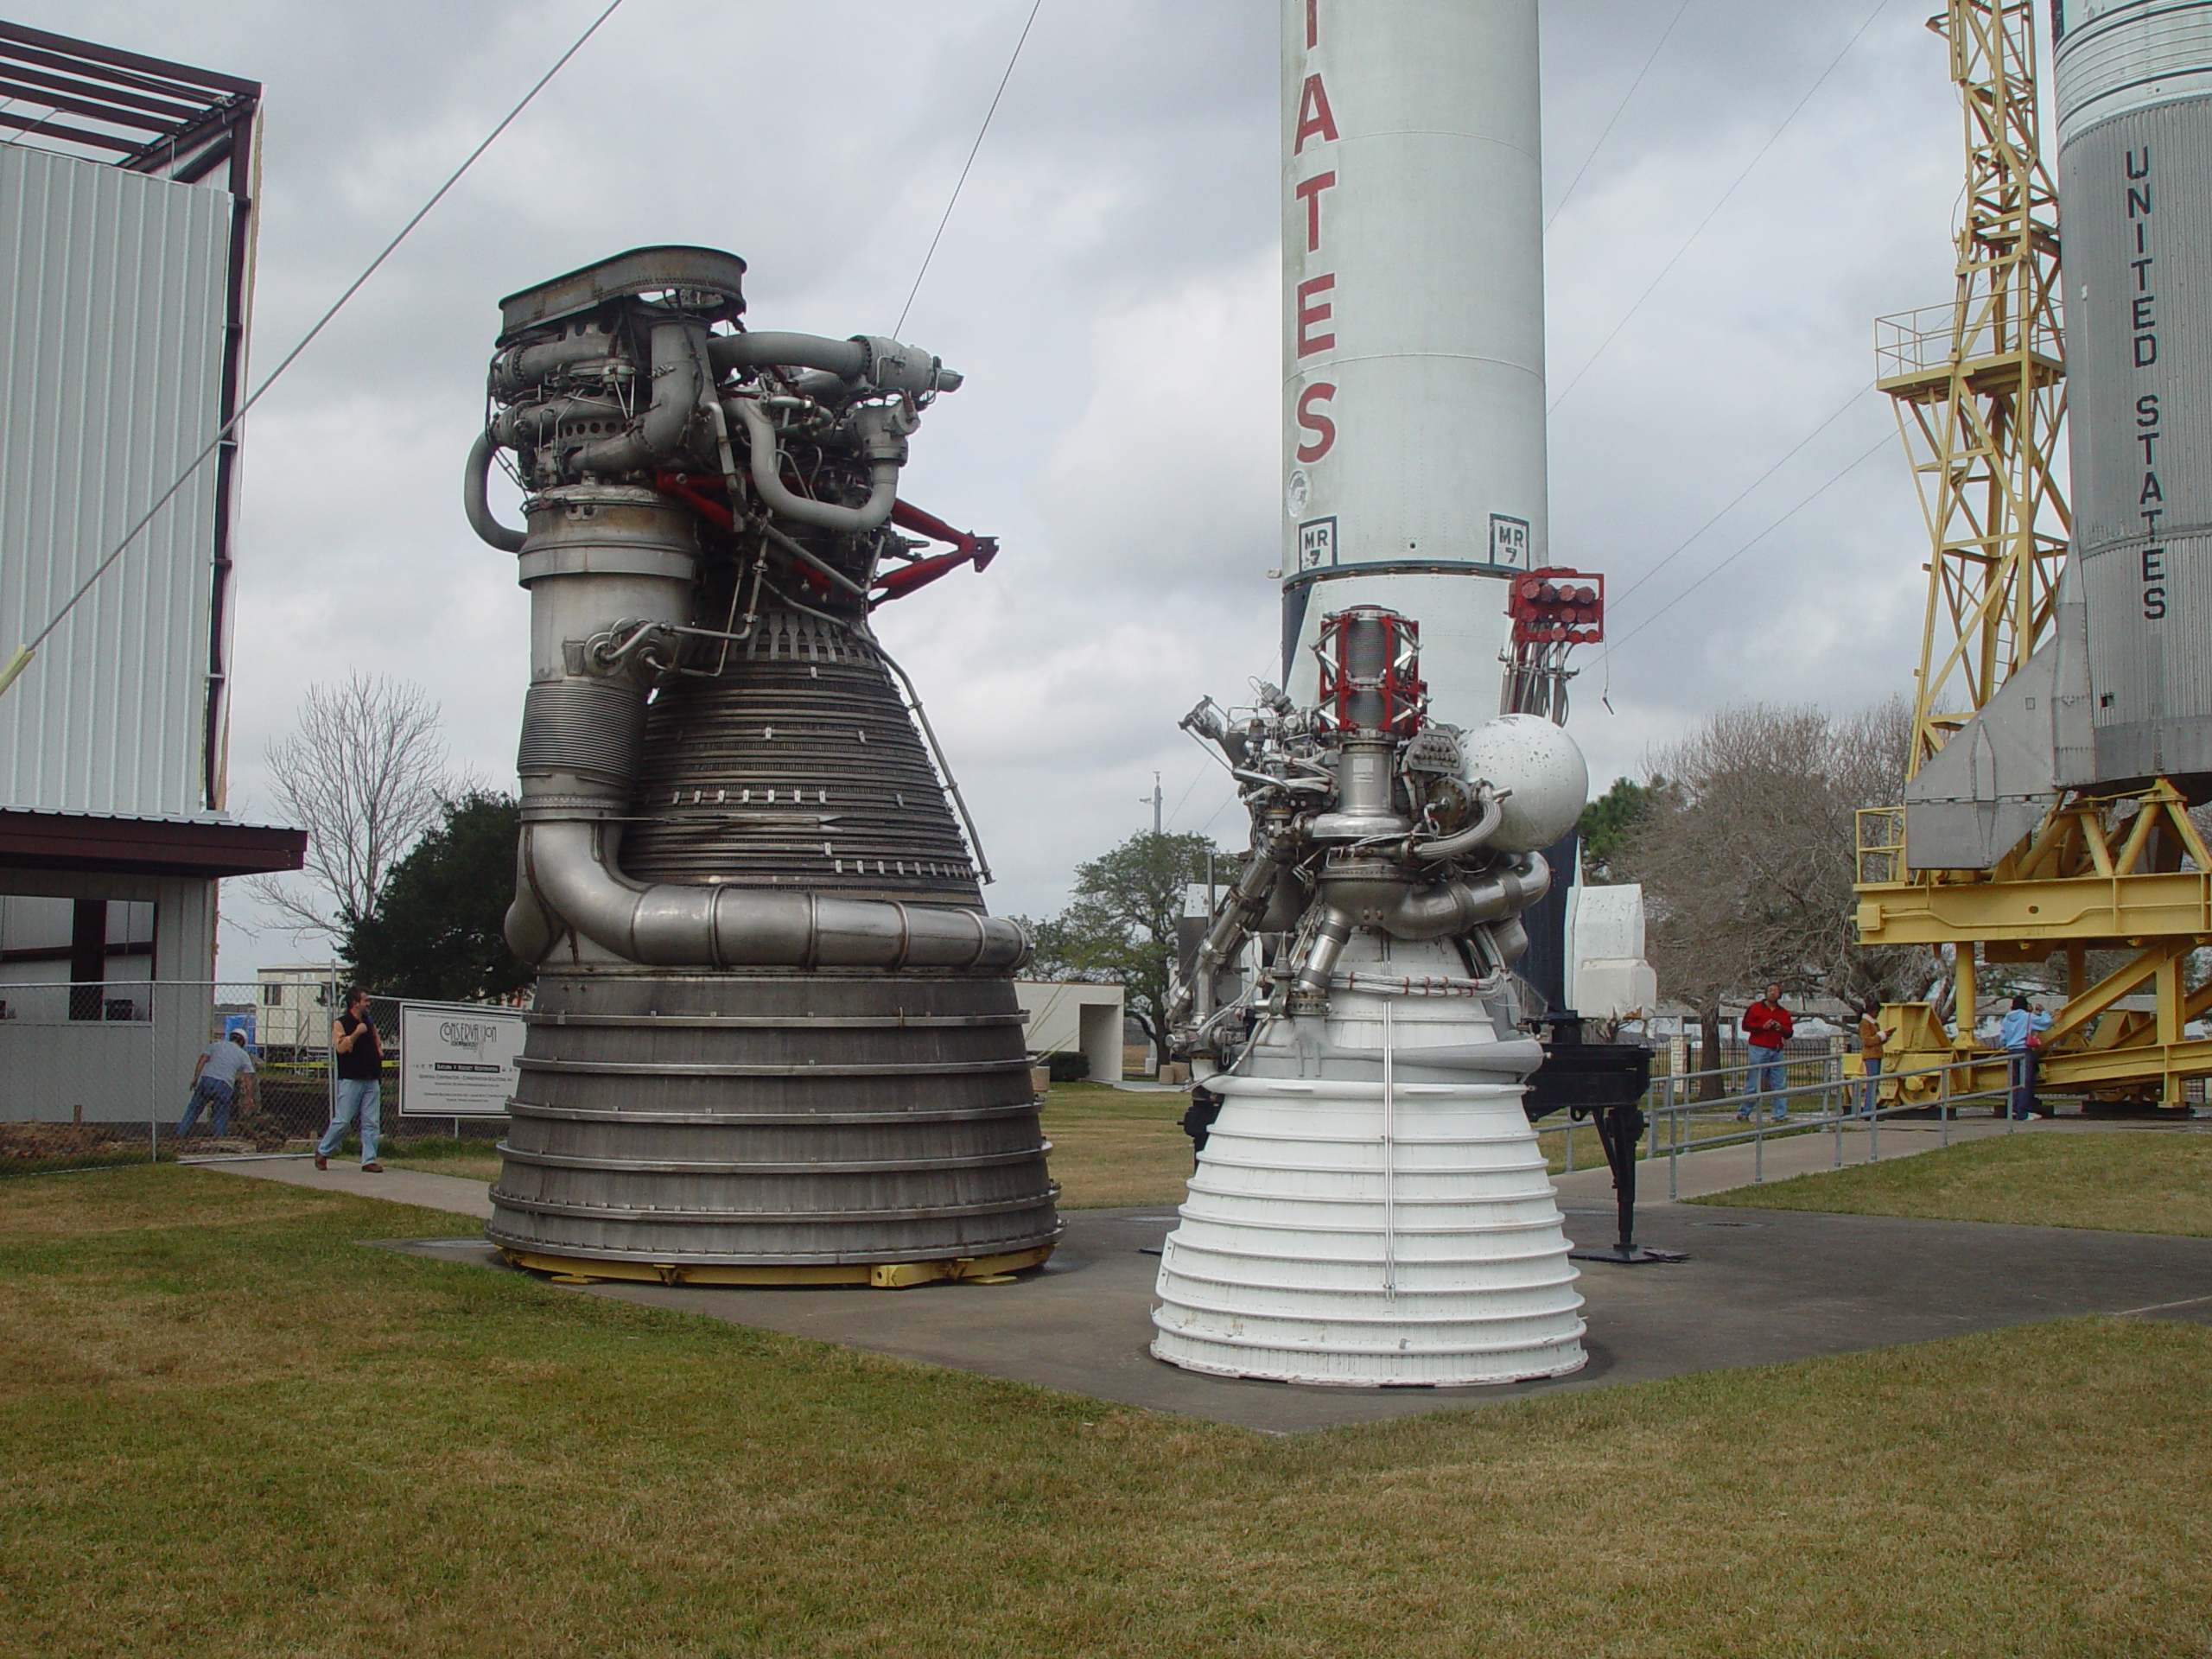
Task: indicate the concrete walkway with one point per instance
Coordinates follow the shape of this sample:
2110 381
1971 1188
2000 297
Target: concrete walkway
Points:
1760 1286
448 1192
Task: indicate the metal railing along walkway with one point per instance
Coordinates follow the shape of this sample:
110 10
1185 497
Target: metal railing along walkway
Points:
1676 1120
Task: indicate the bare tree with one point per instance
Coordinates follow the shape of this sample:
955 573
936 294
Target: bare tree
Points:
1749 853
365 774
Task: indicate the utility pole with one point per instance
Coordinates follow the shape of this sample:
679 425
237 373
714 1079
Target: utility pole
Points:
1157 800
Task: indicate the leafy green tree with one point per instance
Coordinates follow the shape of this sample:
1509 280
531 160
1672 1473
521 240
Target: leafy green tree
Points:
1608 822
435 932
1121 929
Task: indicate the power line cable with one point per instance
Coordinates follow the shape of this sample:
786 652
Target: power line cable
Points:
1197 779
1880 6
1878 444
1849 403
1560 206
1034 9
22 660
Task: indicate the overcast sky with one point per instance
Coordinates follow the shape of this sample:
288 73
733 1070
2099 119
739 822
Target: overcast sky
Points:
1107 283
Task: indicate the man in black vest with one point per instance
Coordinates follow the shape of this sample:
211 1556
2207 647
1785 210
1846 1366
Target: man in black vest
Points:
360 1082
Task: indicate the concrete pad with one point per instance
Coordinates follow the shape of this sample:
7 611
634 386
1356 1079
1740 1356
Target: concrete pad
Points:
448 1192
1761 1287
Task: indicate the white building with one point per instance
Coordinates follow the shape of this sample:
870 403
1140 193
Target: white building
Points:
294 1005
126 238
1066 1018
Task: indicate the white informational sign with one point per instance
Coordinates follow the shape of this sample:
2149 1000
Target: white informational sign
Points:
456 1060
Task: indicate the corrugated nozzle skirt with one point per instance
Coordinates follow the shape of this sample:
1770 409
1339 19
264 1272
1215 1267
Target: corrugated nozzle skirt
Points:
1344 1229
804 1121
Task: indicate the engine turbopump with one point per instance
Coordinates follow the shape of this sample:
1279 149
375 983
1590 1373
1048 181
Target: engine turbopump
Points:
775 1036
1370 1205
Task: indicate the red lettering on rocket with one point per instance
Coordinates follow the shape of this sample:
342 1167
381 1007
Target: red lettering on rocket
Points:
1313 310
1313 417
1315 119
1309 192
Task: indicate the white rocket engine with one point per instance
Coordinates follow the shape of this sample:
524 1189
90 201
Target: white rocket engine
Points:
1371 1207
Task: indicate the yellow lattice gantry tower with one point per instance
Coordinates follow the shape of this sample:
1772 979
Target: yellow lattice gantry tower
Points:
1979 387
2015 853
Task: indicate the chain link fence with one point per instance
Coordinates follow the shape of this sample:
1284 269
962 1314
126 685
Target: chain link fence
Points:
102 1074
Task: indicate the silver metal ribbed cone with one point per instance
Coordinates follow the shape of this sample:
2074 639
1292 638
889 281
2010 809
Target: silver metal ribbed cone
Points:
756 1124
763 1122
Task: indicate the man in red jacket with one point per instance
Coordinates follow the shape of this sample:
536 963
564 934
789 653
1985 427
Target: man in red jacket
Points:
1767 1025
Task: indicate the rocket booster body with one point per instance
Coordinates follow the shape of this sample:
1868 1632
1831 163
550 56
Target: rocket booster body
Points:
1413 448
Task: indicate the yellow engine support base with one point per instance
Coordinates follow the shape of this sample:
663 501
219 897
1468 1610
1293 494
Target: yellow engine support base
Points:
882 1275
2075 885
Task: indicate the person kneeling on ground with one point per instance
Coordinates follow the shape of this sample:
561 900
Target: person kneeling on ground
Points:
2018 1038
1767 1025
360 1082
215 1082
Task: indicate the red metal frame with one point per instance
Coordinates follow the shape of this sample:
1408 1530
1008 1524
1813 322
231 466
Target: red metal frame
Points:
1405 696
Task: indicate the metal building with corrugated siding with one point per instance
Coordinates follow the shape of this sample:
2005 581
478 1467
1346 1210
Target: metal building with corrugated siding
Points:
126 245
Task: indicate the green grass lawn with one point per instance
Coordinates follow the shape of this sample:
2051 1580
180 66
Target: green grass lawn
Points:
228 1429
2138 1181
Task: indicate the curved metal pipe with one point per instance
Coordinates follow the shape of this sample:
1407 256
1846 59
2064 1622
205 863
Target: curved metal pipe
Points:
1466 840
657 434
864 362
669 925
846 358
1449 909
518 368
475 499
767 478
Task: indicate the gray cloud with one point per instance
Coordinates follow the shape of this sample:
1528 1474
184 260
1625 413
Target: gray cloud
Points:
1107 283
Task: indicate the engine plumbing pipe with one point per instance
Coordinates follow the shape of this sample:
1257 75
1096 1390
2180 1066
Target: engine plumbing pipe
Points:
1474 835
767 468
476 500
868 361
666 924
657 434
1442 910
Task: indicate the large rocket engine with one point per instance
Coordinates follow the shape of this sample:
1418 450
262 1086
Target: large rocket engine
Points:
1371 1207
775 1037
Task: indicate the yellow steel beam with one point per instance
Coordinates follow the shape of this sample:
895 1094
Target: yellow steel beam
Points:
2097 911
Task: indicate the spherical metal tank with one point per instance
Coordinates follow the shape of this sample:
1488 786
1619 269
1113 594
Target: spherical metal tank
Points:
2135 85
1413 404
1540 771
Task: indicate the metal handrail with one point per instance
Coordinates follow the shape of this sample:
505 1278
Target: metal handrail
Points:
1672 1113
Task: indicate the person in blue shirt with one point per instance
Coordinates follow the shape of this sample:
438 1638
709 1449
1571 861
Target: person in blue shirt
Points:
225 1068
2017 1037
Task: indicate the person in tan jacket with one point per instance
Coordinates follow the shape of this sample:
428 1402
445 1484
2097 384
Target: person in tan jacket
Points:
1872 1044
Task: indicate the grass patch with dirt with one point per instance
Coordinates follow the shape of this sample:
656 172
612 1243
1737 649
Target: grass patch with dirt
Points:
2122 1181
226 1428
